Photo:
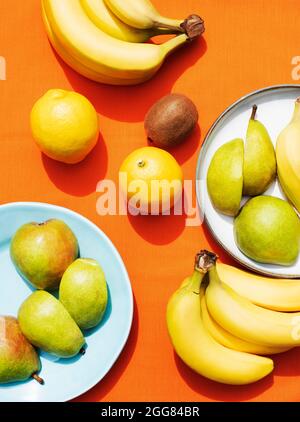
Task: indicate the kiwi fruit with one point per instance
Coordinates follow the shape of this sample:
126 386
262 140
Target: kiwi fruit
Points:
171 120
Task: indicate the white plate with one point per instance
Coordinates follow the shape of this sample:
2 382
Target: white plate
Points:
275 109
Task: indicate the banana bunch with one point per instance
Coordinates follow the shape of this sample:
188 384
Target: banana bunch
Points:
105 40
288 158
220 324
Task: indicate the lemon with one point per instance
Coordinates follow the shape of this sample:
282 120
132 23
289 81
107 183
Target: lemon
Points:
65 125
153 177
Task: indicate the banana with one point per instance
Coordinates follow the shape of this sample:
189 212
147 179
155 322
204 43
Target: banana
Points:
87 72
100 57
288 158
247 321
271 293
105 20
141 14
197 348
228 340
185 282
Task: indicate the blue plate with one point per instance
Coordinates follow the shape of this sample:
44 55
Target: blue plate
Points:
66 379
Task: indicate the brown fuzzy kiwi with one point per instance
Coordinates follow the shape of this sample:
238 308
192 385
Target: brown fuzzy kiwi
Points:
170 120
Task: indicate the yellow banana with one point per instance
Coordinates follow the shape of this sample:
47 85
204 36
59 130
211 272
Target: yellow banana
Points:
141 14
271 293
72 62
247 321
101 57
185 282
108 22
288 158
229 340
198 349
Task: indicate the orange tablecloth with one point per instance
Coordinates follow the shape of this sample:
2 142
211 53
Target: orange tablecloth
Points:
248 44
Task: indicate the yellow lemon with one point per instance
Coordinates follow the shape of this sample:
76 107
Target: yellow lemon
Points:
151 179
65 125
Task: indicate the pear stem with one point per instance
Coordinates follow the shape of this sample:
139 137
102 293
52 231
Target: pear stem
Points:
296 115
38 379
82 351
254 111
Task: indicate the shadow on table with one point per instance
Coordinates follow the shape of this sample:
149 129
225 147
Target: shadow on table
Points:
103 388
187 149
288 363
158 229
79 179
130 103
216 248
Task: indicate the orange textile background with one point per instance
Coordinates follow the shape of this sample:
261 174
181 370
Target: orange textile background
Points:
248 44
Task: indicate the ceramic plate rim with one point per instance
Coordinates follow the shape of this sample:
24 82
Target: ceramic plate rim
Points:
117 255
201 157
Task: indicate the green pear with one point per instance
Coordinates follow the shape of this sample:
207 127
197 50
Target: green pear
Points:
268 230
47 325
42 252
83 292
259 158
19 360
225 177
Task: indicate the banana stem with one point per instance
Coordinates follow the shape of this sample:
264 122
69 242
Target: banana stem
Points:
196 281
204 261
193 26
191 29
170 29
254 111
174 43
170 24
213 275
163 31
